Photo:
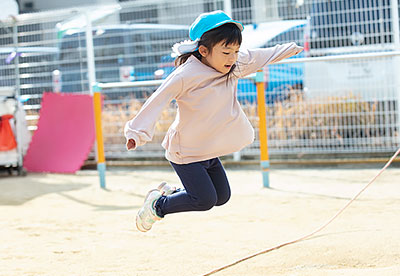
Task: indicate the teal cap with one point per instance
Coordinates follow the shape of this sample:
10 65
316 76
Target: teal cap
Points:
208 21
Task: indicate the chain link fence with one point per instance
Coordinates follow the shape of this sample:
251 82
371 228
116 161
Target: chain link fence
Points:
334 98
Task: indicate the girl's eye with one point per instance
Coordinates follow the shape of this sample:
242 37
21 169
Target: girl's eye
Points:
225 53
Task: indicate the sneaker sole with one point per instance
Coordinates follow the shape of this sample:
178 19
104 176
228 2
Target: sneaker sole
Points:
139 225
138 219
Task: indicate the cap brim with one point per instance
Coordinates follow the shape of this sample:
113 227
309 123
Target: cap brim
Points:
237 23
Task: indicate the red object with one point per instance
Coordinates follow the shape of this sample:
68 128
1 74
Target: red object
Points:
65 134
307 44
7 139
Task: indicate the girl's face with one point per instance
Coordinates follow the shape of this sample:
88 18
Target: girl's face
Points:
221 57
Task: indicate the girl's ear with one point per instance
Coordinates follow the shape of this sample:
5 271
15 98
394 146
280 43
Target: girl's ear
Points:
203 50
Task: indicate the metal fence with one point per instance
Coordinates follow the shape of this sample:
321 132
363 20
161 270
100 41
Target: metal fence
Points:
318 103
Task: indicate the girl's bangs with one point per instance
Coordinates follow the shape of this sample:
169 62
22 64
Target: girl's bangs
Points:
228 33
233 36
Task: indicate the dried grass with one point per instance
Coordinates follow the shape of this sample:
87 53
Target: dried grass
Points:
291 119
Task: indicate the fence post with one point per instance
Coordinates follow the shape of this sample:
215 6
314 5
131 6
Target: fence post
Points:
95 92
396 41
228 7
262 127
17 82
101 161
90 53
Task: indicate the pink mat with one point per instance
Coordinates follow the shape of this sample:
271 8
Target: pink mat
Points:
65 134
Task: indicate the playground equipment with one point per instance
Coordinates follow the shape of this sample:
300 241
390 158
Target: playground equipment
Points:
14 134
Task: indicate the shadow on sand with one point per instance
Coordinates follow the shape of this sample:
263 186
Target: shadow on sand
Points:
18 190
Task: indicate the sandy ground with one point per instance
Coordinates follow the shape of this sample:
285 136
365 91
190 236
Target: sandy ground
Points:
55 224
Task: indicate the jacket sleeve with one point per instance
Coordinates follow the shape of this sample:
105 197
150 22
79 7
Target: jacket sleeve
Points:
249 61
141 127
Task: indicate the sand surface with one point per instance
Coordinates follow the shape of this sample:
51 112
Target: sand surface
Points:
56 224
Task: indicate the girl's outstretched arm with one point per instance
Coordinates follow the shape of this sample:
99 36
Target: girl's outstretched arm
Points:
140 129
251 60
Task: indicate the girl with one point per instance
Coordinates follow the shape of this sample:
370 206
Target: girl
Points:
209 121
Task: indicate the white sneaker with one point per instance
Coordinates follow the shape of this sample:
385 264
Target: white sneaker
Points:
166 189
147 215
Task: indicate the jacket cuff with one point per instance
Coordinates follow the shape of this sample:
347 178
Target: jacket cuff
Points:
299 49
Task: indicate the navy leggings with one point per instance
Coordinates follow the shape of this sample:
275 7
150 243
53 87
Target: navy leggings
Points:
206 186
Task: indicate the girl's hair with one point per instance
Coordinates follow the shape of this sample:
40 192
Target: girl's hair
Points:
228 33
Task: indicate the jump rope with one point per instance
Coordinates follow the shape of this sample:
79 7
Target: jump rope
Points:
313 232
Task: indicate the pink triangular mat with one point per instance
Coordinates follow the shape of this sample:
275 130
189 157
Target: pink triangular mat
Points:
65 134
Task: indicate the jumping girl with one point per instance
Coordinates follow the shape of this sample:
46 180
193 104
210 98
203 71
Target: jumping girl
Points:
209 121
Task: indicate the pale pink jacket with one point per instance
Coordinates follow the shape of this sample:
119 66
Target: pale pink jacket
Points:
209 121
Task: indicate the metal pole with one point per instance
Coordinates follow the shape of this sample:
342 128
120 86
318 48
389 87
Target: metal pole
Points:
90 53
17 87
228 7
95 92
262 127
101 160
395 24
396 61
16 59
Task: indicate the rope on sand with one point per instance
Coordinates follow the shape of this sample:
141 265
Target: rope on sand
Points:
313 232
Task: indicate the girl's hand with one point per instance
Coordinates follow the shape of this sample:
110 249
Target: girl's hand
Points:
131 144
299 49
